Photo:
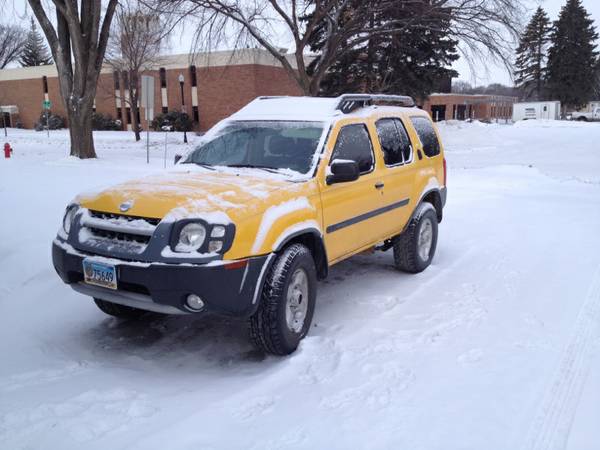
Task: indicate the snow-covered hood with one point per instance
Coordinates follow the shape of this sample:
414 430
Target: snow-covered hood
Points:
192 193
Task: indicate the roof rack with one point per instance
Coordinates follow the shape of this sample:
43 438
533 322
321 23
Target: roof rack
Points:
350 102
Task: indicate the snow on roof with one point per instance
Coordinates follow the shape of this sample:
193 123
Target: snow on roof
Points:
297 108
301 108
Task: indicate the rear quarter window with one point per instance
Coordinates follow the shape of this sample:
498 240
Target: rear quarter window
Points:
426 133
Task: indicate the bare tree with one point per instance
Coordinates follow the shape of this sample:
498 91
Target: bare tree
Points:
462 87
134 47
485 28
78 43
12 39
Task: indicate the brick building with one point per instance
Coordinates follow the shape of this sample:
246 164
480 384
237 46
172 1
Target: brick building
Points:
463 107
215 86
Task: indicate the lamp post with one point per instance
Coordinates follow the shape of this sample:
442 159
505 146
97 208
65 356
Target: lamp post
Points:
181 80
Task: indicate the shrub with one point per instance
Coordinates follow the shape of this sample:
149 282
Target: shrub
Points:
105 122
172 121
54 122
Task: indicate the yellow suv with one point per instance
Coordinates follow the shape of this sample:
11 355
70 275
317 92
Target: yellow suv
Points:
247 222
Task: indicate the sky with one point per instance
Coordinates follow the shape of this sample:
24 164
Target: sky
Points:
483 72
493 73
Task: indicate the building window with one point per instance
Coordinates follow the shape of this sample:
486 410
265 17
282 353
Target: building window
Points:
163 77
45 83
195 113
117 81
165 109
125 80
193 75
128 113
119 112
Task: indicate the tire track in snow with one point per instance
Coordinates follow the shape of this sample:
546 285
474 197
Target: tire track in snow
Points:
551 429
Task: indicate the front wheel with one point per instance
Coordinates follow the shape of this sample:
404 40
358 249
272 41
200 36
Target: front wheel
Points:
415 247
287 303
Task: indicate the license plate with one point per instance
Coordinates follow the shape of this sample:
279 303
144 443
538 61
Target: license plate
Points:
100 274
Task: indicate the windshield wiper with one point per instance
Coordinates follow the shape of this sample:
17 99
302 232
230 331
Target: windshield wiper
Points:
206 166
252 166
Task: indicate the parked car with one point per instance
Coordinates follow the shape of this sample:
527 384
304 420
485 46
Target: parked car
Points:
592 116
247 222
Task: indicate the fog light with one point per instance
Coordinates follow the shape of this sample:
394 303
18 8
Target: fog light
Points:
215 246
194 302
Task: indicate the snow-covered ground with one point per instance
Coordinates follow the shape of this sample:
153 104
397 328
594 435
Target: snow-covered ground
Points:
495 346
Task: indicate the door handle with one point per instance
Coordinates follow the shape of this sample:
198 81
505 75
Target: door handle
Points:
379 185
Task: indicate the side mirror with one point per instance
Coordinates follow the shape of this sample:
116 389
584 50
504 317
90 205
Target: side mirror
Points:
177 158
342 171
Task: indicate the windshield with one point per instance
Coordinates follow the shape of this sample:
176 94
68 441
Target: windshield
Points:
270 145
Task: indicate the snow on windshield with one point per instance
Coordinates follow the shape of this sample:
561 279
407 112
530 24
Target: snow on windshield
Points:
269 145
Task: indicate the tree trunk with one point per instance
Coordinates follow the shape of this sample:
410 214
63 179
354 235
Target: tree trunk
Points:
134 118
80 131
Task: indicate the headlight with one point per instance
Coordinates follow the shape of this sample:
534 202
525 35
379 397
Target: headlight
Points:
191 237
68 218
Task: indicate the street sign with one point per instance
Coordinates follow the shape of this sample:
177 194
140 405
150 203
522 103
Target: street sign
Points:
46 104
148 97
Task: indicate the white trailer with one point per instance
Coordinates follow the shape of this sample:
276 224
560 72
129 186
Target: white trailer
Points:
536 110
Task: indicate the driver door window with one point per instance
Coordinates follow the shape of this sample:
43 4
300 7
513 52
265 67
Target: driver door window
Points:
353 143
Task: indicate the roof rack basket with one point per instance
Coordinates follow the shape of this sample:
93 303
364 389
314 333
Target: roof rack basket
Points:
351 102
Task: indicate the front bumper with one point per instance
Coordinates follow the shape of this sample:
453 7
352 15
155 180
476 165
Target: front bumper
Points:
225 289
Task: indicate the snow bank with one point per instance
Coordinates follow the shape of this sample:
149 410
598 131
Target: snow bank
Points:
475 352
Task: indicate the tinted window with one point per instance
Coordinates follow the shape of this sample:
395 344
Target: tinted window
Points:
431 145
394 142
406 144
353 143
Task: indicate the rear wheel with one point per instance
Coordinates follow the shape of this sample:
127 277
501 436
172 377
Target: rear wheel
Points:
114 309
287 304
415 247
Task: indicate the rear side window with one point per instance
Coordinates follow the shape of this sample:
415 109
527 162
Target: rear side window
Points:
394 141
431 145
354 143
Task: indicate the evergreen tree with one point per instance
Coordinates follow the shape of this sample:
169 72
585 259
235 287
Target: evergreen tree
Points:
409 62
531 56
35 52
572 58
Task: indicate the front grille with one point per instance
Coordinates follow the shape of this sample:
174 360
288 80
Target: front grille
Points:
117 236
129 233
108 216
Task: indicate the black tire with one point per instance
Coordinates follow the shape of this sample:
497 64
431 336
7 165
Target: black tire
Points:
269 328
582 119
406 245
121 311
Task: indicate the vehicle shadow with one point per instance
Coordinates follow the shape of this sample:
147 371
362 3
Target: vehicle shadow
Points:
202 342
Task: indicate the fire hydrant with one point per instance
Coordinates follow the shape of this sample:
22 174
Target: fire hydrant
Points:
7 150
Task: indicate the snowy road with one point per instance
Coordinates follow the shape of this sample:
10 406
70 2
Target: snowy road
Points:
495 346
